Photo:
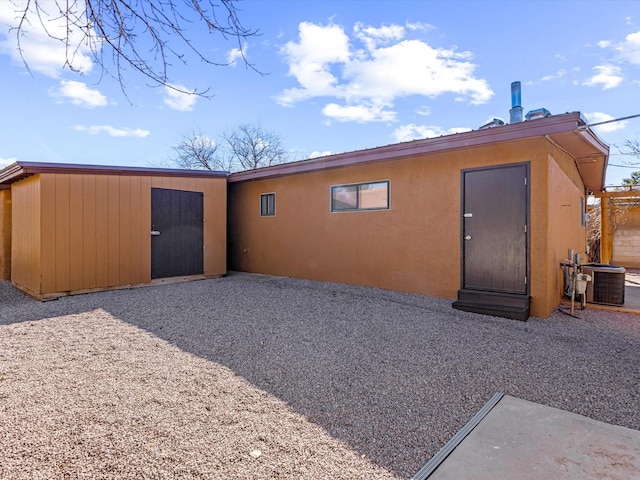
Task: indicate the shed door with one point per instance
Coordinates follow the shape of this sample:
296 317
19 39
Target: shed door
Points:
495 216
177 233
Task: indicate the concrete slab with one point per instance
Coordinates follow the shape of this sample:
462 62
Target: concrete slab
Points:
632 290
524 440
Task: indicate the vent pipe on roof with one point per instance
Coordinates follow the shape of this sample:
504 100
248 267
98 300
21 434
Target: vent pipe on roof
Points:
496 122
516 103
537 113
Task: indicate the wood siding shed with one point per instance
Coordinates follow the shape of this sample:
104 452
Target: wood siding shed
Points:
5 233
79 228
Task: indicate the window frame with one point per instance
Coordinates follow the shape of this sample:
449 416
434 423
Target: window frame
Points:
268 212
358 186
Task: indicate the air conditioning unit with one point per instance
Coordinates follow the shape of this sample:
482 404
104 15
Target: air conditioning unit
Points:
607 285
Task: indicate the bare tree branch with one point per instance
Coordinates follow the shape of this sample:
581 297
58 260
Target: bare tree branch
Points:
145 35
248 147
251 146
198 152
632 147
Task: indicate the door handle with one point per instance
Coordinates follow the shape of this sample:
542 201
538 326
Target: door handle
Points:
155 233
467 237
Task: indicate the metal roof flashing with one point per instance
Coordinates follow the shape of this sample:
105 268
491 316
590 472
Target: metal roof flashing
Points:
567 130
19 170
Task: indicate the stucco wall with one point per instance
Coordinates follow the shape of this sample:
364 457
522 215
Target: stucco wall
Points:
413 247
379 248
566 229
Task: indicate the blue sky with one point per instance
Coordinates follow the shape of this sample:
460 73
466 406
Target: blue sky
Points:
337 76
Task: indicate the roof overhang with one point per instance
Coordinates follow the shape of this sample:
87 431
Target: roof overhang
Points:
590 153
20 170
568 131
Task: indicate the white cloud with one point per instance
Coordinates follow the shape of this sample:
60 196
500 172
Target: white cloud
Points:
317 153
5 162
626 51
629 49
609 76
184 102
310 61
367 80
559 74
79 94
373 37
406 133
236 54
420 26
596 117
424 110
358 113
113 131
40 49
412 67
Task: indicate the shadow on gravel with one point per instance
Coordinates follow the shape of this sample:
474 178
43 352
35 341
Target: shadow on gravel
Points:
393 375
10 296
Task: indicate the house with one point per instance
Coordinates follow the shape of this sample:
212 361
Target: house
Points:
77 228
483 217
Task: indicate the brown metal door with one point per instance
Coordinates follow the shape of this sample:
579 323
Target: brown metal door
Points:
494 229
177 233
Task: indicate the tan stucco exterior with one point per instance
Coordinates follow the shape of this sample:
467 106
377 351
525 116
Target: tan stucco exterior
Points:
415 245
565 229
81 232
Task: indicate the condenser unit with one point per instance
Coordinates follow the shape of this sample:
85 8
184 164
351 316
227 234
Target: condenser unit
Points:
607 285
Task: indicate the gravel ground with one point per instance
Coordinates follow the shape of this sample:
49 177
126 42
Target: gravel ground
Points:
253 376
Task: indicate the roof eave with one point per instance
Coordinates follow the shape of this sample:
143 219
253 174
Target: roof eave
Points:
568 122
20 170
9 174
590 153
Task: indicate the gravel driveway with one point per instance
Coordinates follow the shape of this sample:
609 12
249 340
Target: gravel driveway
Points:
252 376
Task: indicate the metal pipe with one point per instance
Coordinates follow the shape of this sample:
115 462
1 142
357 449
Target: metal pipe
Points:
582 127
516 103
